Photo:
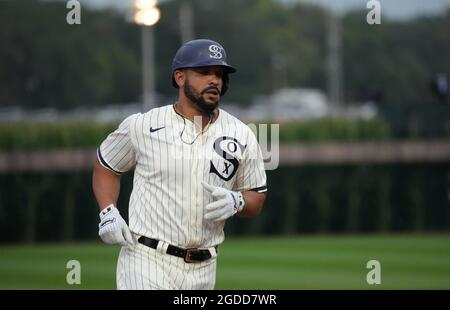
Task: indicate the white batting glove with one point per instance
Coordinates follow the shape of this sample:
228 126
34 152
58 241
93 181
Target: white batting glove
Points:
112 228
225 203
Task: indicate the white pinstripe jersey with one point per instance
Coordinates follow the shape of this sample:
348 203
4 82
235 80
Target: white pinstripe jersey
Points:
167 201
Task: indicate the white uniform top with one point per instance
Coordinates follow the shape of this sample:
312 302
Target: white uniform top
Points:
167 201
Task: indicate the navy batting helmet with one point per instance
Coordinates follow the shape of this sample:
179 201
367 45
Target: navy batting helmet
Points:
202 53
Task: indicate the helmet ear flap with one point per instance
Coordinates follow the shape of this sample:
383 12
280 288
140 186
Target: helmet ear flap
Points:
174 83
225 81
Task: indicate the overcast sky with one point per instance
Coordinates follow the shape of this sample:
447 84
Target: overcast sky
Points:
398 9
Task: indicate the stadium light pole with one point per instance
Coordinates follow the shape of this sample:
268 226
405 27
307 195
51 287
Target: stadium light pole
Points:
146 15
334 61
186 17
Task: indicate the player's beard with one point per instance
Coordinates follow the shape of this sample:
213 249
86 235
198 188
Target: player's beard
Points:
197 98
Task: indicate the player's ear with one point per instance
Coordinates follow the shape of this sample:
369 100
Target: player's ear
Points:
179 77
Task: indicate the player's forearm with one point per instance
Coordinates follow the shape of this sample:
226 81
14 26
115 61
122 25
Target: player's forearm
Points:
254 202
106 186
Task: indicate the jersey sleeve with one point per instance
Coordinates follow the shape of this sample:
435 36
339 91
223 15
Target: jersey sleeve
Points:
251 174
116 153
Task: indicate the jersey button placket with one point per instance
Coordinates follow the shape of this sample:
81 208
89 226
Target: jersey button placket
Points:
194 196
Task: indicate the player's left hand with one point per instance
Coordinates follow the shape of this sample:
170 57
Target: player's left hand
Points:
225 203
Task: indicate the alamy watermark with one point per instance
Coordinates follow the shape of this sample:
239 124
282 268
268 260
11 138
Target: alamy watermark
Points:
74 274
374 275
270 151
73 17
373 17
230 143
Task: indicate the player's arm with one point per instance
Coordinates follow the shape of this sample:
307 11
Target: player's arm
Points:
106 185
254 202
114 157
112 228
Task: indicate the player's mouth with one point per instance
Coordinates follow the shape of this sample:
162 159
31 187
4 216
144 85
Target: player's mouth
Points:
213 93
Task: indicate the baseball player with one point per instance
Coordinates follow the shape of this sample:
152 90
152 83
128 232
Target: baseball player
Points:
195 166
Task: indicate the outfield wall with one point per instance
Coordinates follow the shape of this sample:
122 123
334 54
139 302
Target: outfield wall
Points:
365 198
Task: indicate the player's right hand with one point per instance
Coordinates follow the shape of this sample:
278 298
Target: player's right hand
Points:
225 203
113 229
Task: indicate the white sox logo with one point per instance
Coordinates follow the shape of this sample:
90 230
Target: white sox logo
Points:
216 52
230 160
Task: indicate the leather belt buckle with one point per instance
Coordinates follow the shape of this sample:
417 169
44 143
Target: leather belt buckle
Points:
190 255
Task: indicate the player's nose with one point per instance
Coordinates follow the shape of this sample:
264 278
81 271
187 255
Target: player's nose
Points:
214 80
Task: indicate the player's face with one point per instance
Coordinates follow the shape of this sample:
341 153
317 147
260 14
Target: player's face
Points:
203 86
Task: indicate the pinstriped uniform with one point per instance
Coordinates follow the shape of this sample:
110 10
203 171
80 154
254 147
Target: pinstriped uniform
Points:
167 202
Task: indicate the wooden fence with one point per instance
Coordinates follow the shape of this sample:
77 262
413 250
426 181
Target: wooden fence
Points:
289 155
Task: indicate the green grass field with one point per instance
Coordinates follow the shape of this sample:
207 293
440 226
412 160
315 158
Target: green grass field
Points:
312 262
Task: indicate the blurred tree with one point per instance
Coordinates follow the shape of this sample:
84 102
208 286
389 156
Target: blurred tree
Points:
270 44
395 60
46 62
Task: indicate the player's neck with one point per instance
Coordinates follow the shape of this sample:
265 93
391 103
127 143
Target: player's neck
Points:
192 112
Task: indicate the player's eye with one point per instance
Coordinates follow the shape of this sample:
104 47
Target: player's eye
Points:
203 71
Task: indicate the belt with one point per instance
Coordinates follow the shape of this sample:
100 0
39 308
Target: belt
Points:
192 255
